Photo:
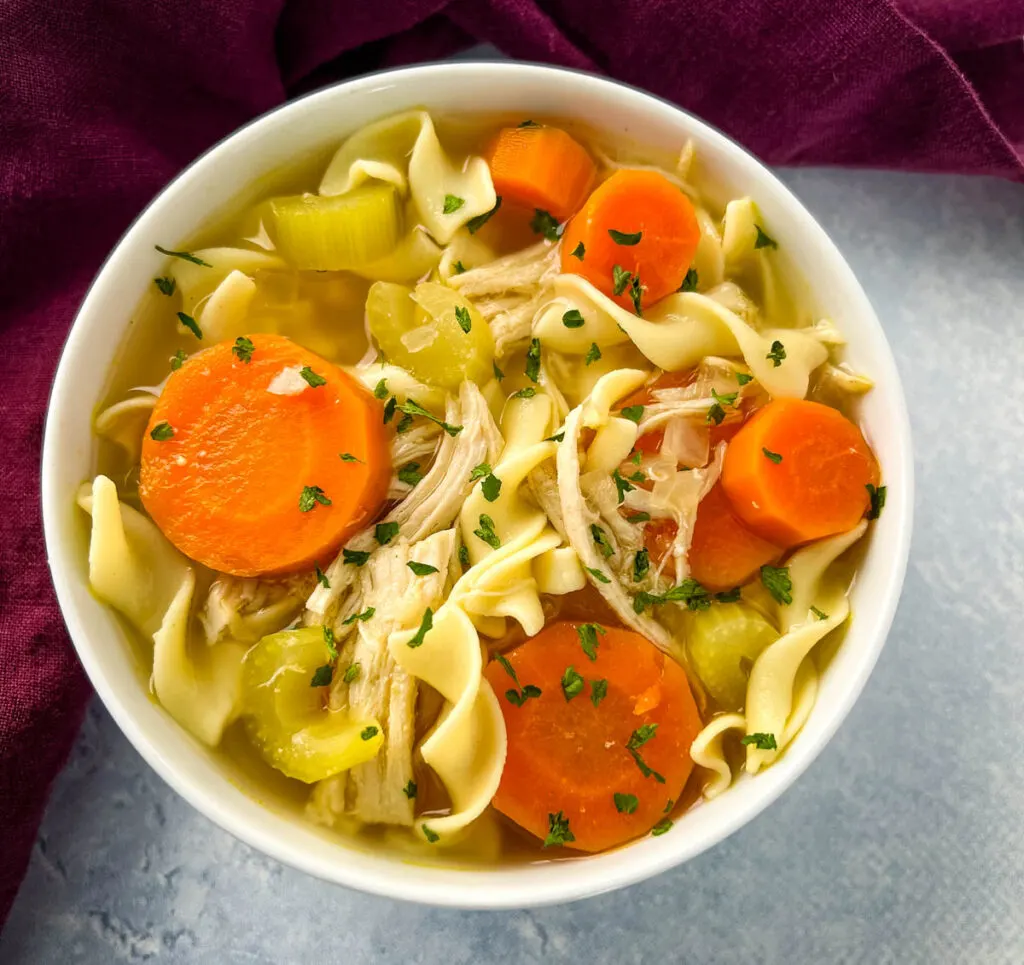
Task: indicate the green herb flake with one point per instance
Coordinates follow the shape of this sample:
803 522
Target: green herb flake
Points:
404 424
777 582
637 739
717 411
432 836
689 592
662 827
633 412
598 691
689 281
321 577
668 806
452 203
426 625
601 540
351 674
184 256
161 432
166 285
322 676
639 518
528 393
771 456
384 533
517 696
475 224
593 354
641 565
728 596
369 733
410 473
410 790
459 268
310 496
348 457
462 317
191 324
177 360
491 488
579 251
557 437
763 742
480 471
354 557
332 647
533 360
572 684
597 574
587 633
464 555
558 831
381 390
421 569
777 353
819 614
314 379
620 279
361 617
544 223
390 408
625 803
636 293
625 238
411 407
498 374
486 532
528 124
622 486
573 319
763 240
877 500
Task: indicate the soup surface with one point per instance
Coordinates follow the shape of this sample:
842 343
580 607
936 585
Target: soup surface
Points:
485 490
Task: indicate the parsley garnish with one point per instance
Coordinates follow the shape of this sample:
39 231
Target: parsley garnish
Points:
361 617
404 424
348 457
314 379
621 485
636 292
637 739
620 279
381 391
486 532
421 569
410 790
354 557
777 582
426 625
432 836
777 353
668 806
464 555
664 825
384 533
877 500
459 268
528 124
332 648
625 238
498 374
773 456
491 487
743 378
390 407
588 638
633 412
716 413
820 614
462 317
763 742
543 223
475 224
184 256
689 282
322 676
166 285
410 474
310 496
321 577
528 393
557 437
518 695
412 407
728 596
191 324
351 674
177 359
573 319
452 203
597 574
639 518
641 565
602 541
763 240
533 360
598 691
593 353
579 251
369 733
625 803
558 830
572 684
479 471
638 477
161 432
689 592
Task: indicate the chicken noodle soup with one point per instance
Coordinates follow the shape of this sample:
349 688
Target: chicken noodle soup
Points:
509 488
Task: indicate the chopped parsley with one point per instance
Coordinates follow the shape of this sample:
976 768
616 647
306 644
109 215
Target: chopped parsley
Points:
421 569
410 790
622 486
459 268
384 533
184 256
381 390
361 617
558 831
161 432
314 379
528 393
191 324
480 471
486 531
544 223
689 592
351 674
332 648
601 540
763 742
390 407
411 407
464 555
432 836
772 456
597 574
663 826
820 614
557 437
728 596
354 557
475 224
639 518
620 279
637 739
743 378
322 676
641 565
689 282
177 360
668 806
462 317
321 577
877 501
572 684
579 251
166 285
369 733
410 473
598 691
404 424
533 360
636 293
518 695
764 240
636 457
491 487
625 803
777 582
633 412
310 496
638 477
426 625
717 413
593 353
573 319
452 203
777 353
498 374
348 457
625 238
528 123
588 638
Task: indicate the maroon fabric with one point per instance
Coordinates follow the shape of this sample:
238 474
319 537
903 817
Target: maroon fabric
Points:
102 101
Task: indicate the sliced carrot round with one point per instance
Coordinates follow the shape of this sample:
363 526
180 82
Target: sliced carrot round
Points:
638 222
799 471
241 462
573 756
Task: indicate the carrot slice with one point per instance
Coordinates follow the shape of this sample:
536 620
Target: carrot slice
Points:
226 462
799 471
638 222
541 167
573 756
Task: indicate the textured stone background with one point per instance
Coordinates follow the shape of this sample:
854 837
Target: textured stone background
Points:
904 842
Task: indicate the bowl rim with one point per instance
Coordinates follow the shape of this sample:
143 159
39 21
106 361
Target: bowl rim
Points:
458 887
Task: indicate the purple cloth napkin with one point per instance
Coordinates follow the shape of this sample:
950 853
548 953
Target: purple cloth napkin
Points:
102 102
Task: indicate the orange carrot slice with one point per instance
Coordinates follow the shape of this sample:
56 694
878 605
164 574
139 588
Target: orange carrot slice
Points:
249 481
636 222
609 759
541 167
799 471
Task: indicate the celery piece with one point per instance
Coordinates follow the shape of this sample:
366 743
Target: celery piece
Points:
284 710
331 234
724 642
424 331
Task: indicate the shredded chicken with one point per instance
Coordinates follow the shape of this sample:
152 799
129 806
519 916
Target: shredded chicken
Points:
248 609
413 449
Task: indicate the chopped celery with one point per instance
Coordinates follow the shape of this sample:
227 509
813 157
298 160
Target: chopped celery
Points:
285 717
724 642
424 331
330 234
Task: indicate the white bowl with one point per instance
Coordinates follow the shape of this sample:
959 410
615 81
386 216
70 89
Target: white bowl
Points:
313 123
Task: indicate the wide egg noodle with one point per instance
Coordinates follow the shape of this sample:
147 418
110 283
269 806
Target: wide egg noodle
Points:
223 315
124 423
413 258
404 150
197 282
137 571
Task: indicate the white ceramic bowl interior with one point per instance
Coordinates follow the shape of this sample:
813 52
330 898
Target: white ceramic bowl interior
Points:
312 124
